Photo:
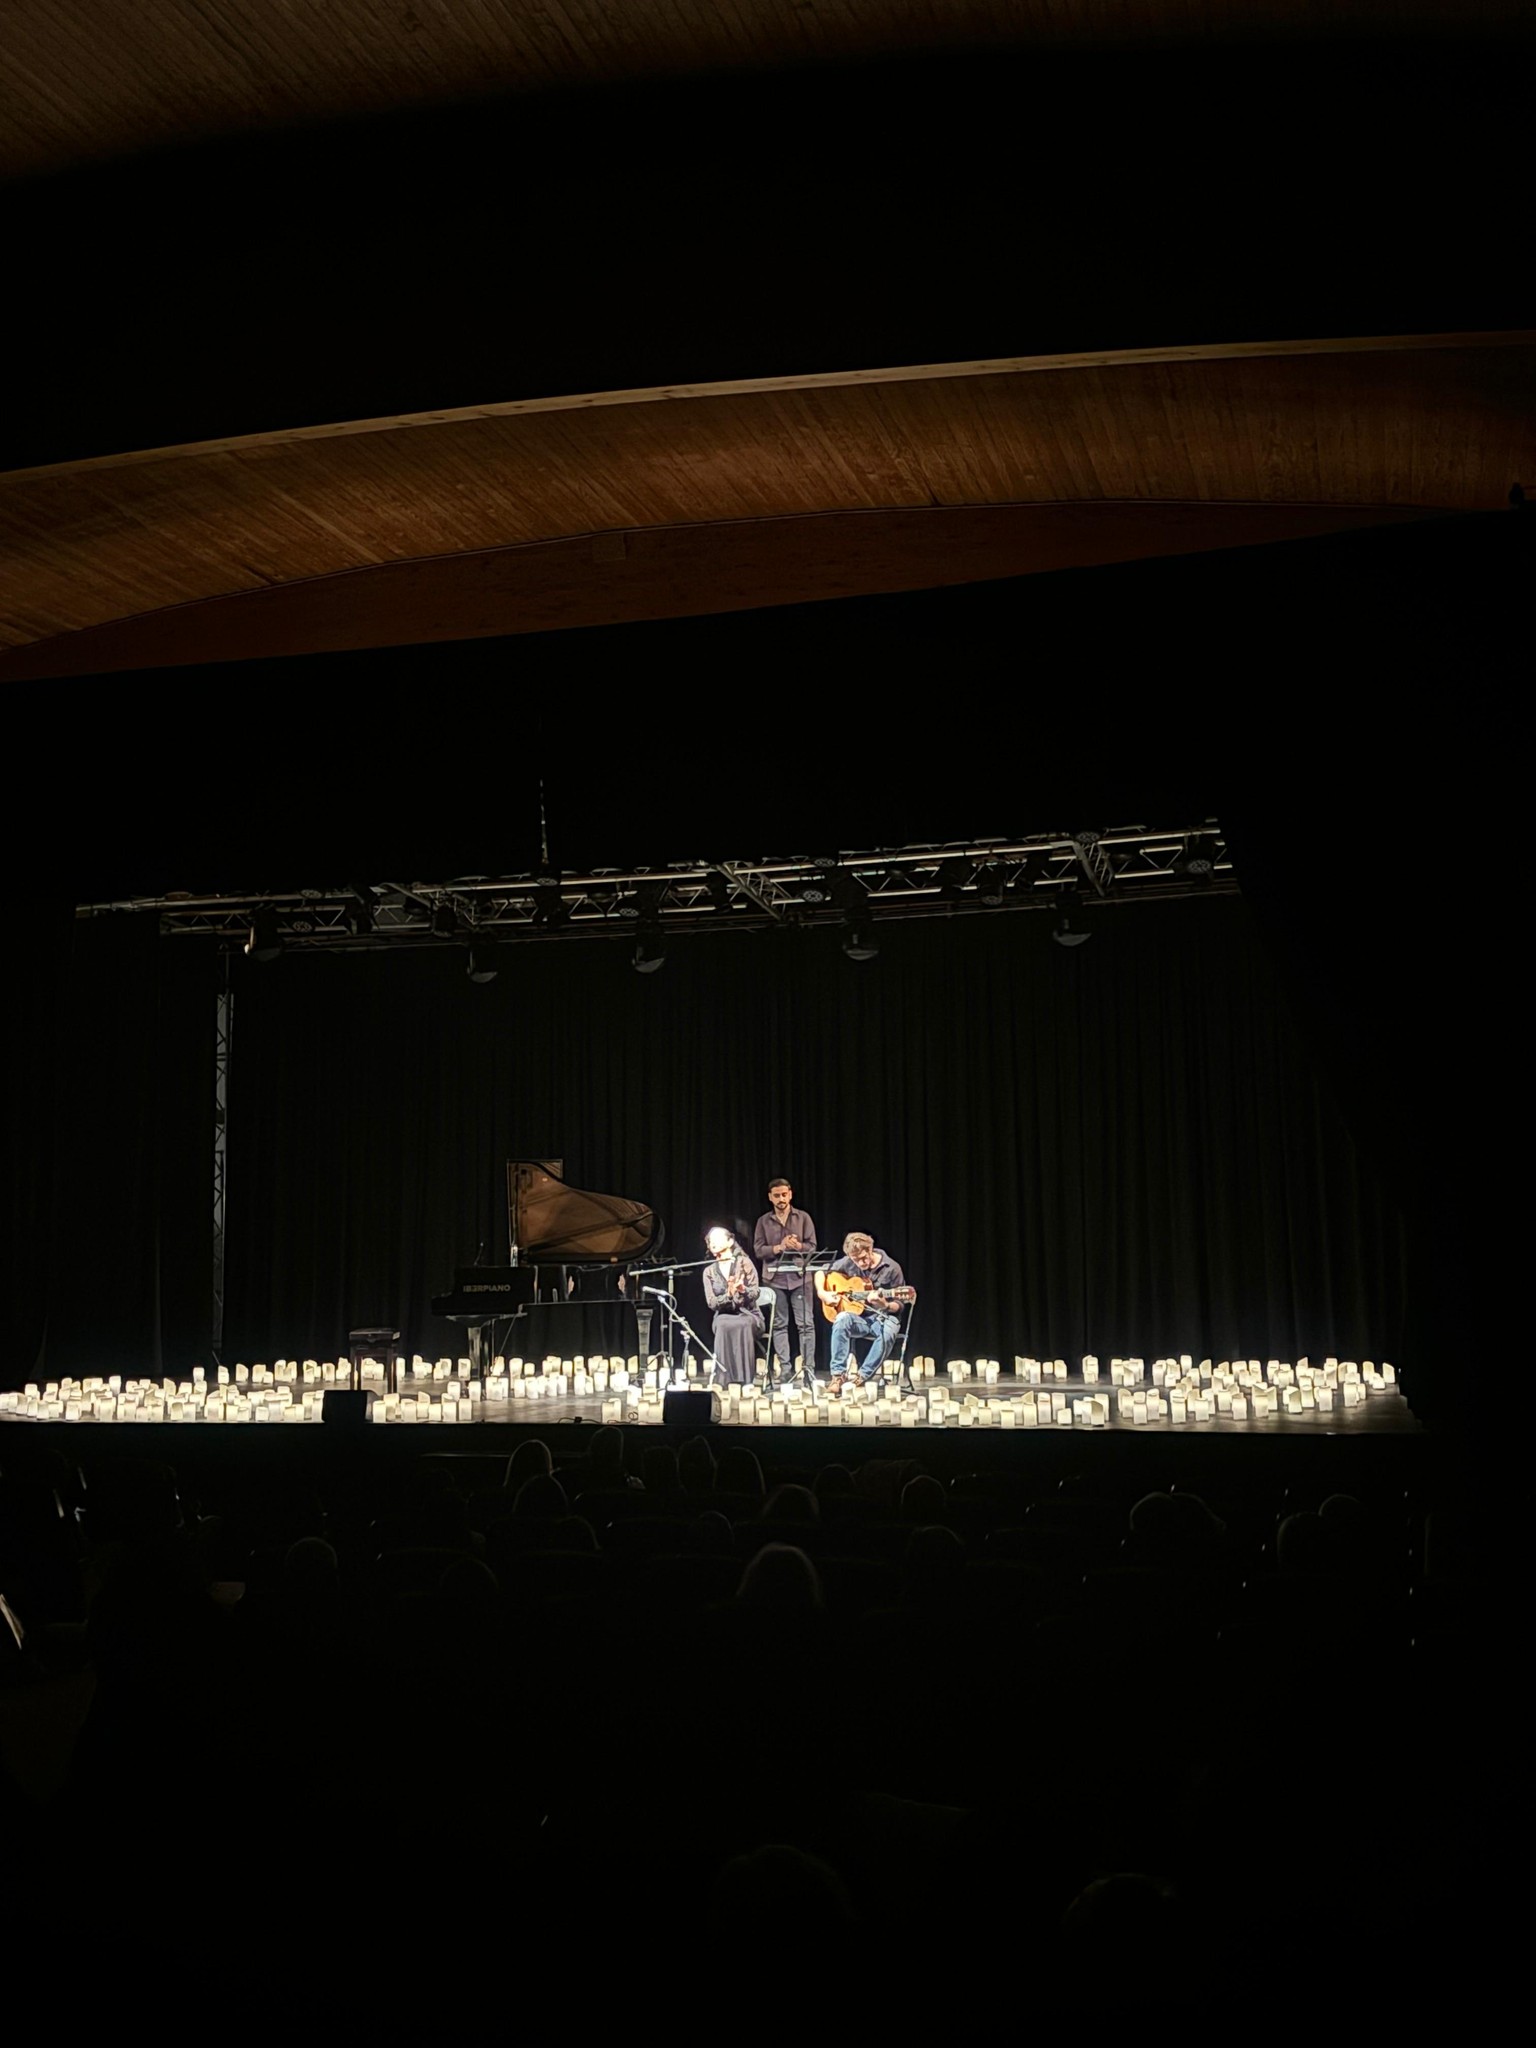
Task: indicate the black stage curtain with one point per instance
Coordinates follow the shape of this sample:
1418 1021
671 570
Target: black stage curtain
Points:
111 1181
1121 1148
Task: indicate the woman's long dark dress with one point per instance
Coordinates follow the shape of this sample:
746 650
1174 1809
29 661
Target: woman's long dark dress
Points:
737 1330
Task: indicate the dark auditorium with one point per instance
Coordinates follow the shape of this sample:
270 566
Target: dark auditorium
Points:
759 753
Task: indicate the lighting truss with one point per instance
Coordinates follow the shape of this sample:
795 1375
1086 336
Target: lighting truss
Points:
1125 866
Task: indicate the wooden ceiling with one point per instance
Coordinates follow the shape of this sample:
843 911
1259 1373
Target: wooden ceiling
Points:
81 85
615 505
648 504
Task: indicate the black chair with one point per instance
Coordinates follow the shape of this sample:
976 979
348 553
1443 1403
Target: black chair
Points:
893 1366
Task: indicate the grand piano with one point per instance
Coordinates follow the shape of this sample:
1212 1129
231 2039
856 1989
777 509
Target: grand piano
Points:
562 1289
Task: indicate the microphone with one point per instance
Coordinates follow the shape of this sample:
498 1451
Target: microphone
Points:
660 1293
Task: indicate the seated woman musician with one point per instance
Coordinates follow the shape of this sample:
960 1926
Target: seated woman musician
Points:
861 1292
730 1288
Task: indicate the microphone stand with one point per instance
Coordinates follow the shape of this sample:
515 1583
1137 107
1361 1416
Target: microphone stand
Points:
675 1320
672 1315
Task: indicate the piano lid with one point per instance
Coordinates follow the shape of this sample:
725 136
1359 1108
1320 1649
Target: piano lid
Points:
550 1221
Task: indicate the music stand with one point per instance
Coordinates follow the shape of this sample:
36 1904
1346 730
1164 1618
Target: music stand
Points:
807 1265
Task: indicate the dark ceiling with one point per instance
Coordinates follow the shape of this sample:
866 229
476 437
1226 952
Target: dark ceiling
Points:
802 220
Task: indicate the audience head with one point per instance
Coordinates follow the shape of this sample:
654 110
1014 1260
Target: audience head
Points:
309 1559
1176 1528
783 1579
832 1480
752 1888
922 1499
311 1573
1112 1922
605 1458
530 1459
1307 1547
1356 1535
658 1469
541 1498
135 1501
935 1547
792 1504
696 1466
738 1471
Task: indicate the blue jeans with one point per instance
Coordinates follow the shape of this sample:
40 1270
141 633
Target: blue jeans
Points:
879 1328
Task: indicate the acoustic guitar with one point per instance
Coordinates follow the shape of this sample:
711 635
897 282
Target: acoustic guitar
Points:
852 1292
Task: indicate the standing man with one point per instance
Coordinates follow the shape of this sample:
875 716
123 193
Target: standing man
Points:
782 1241
864 1306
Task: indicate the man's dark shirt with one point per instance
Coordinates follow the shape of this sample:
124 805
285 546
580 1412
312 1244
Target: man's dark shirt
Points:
771 1233
882 1274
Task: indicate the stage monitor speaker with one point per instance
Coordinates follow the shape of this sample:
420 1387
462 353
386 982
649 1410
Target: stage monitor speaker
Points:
344 1407
690 1407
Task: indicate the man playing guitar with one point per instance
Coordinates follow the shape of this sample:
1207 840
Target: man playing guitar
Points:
860 1290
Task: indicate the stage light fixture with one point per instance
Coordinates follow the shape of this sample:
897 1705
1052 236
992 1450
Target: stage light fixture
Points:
859 943
992 884
952 877
1064 935
1197 861
263 941
484 962
445 921
1025 877
359 917
549 906
649 953
718 888
814 891
849 894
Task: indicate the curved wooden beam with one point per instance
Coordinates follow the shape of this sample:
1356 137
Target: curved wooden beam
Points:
1220 441
620 578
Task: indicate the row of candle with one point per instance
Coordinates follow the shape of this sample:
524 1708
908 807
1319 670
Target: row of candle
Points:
293 1390
148 1401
